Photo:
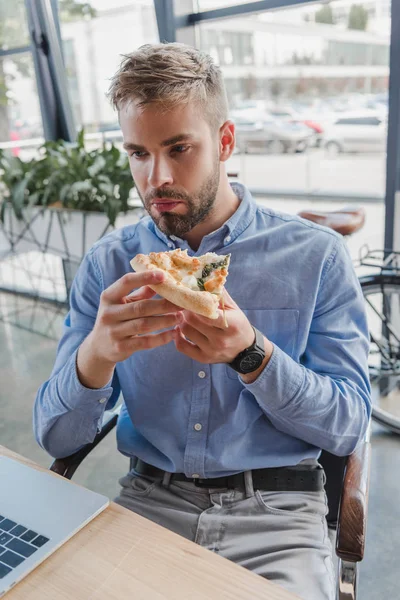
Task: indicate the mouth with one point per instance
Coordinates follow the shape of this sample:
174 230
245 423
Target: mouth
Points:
165 205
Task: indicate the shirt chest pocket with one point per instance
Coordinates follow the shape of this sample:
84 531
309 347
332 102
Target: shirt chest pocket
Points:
279 325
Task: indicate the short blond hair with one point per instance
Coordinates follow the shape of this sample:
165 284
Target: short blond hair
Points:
169 75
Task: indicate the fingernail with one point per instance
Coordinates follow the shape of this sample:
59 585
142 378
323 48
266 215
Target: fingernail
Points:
158 276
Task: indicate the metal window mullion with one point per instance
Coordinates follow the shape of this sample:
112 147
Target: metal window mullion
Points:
50 73
393 140
236 10
164 10
19 50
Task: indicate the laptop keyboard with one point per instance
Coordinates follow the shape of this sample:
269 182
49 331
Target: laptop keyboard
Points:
16 544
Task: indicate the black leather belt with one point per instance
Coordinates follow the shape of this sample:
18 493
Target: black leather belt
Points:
279 479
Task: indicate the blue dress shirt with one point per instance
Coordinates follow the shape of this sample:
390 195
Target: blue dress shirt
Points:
295 282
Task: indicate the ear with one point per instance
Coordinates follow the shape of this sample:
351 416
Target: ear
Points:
226 140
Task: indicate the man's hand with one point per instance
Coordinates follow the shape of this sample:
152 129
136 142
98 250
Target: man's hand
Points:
208 341
125 324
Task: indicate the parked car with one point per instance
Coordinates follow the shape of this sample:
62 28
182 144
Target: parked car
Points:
356 132
290 115
271 135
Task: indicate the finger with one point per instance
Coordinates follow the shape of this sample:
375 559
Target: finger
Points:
209 327
194 336
130 281
142 308
144 325
147 342
143 293
185 347
228 301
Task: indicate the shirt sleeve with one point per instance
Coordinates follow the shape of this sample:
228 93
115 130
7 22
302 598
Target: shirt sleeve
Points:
66 414
324 399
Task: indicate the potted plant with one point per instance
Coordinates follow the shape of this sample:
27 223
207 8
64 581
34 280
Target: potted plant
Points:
63 200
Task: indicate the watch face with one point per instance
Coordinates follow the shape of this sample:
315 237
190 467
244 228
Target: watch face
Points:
251 362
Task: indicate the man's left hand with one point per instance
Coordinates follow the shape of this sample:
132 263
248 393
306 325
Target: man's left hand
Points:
209 341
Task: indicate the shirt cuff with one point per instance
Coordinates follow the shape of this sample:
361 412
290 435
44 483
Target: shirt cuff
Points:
78 395
278 383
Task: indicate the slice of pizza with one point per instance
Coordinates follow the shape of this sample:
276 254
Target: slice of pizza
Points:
192 282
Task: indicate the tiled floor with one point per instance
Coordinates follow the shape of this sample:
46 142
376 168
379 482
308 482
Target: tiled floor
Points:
26 361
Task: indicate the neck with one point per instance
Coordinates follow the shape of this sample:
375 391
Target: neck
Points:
226 204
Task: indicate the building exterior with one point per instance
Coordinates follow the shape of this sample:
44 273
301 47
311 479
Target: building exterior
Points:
272 56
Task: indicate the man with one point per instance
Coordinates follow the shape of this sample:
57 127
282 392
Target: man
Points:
224 454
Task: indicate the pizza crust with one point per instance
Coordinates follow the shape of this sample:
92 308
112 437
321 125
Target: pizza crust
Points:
202 303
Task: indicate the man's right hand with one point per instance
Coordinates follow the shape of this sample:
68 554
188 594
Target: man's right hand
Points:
125 324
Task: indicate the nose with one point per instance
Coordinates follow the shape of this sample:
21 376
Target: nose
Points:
160 173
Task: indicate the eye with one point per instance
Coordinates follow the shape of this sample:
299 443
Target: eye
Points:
137 154
180 148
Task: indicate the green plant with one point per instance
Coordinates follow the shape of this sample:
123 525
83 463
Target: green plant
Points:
69 176
358 17
325 15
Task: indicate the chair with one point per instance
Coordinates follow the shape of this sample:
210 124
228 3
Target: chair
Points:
347 480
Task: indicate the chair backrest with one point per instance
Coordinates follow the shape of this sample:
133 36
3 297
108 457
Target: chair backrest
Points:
334 467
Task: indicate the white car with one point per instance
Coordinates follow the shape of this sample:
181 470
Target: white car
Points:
356 132
271 135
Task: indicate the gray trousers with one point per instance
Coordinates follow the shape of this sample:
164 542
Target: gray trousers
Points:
279 535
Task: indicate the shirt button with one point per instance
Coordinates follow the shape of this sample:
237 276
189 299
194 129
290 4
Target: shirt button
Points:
170 245
198 427
227 239
195 476
201 374
103 400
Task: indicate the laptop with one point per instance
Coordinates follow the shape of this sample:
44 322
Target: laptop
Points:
38 513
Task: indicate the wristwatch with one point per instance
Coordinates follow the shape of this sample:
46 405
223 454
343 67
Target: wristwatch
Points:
252 357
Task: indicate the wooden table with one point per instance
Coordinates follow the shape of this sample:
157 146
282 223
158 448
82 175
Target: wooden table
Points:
122 556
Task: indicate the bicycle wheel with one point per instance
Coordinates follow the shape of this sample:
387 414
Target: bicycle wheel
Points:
382 299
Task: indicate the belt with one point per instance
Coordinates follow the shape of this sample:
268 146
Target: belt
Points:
275 479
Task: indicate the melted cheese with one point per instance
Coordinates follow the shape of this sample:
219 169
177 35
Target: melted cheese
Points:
191 282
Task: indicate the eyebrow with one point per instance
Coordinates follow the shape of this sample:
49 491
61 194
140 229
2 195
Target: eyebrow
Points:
181 137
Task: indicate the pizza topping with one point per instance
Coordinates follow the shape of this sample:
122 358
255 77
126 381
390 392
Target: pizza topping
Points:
191 282
161 259
214 284
185 261
205 273
200 284
207 270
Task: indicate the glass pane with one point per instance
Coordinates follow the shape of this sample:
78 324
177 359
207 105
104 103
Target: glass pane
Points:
308 92
90 62
20 117
13 24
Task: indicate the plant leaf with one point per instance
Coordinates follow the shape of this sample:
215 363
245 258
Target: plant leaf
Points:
80 140
97 166
18 195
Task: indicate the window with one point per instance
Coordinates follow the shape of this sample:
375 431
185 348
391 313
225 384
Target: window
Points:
305 71
20 117
228 47
93 48
14 31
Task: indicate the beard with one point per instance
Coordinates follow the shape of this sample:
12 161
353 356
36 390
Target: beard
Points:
199 206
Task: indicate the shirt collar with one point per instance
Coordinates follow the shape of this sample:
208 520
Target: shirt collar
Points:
229 231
